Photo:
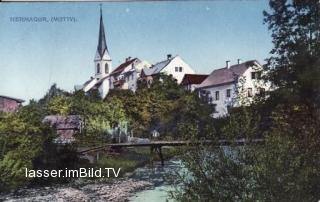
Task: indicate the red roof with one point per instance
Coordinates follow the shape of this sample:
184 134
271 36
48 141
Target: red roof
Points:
121 67
12 98
193 79
227 75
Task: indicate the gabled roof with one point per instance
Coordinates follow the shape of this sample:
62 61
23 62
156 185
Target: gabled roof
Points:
122 66
193 79
12 98
156 68
227 75
64 122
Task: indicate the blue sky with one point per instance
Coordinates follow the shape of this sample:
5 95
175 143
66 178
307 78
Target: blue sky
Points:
34 55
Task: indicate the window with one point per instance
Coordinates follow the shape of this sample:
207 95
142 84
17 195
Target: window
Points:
217 95
131 76
228 92
176 69
228 108
250 92
262 92
180 69
255 75
98 68
106 68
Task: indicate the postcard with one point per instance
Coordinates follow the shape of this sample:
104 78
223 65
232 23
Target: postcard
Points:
159 100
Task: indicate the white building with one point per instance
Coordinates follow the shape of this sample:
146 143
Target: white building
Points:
174 66
232 86
125 76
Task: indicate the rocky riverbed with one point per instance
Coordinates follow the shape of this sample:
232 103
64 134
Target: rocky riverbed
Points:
116 190
146 183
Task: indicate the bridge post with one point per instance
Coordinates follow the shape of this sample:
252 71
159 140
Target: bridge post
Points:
160 155
151 155
157 150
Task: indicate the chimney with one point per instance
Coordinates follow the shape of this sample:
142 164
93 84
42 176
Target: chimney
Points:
169 56
227 64
239 61
128 58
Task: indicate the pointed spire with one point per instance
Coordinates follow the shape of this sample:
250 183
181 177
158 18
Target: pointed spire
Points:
102 45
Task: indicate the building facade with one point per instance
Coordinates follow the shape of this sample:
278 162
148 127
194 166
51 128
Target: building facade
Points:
232 86
10 104
126 75
174 66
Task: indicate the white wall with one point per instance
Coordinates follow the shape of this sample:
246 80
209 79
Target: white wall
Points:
106 59
178 62
223 102
246 82
104 88
239 92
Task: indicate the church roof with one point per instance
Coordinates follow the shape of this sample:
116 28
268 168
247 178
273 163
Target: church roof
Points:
227 75
193 79
102 44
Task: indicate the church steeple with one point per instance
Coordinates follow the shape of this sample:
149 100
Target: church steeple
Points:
102 45
102 60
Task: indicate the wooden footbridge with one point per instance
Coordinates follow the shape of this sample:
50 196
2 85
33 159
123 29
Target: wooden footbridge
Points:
155 146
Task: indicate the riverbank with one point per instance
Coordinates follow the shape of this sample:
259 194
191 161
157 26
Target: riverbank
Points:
137 175
116 190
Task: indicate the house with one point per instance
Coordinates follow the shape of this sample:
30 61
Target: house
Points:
192 81
125 76
65 126
232 86
9 104
174 66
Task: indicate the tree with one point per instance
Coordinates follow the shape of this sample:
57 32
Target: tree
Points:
21 139
59 105
285 167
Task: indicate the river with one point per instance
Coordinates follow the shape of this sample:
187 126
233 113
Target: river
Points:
158 176
151 180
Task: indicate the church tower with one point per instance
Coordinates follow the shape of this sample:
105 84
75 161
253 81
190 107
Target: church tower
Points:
102 60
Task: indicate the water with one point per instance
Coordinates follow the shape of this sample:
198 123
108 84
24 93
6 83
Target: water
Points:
158 176
158 194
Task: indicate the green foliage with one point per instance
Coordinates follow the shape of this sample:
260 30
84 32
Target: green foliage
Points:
59 105
99 115
286 166
166 107
22 135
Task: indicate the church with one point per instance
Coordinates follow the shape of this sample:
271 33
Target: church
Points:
126 75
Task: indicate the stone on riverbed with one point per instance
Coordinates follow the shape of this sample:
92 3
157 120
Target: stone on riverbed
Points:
117 190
